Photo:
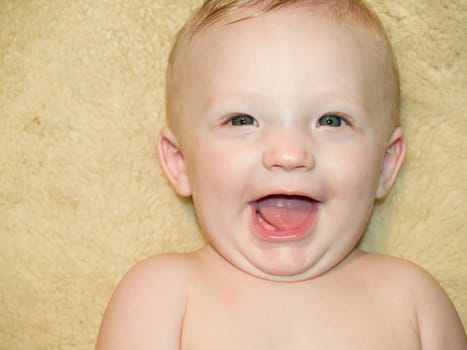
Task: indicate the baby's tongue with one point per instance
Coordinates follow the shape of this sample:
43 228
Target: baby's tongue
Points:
285 212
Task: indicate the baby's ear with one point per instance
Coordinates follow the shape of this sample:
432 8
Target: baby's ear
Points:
173 162
393 158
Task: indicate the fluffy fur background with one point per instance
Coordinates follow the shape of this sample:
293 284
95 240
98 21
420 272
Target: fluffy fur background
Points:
82 197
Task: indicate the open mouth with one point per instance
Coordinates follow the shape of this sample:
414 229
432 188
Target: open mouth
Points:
283 217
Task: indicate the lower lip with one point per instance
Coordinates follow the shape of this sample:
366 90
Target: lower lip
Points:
286 235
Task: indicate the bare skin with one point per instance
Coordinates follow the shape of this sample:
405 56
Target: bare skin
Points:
200 301
254 130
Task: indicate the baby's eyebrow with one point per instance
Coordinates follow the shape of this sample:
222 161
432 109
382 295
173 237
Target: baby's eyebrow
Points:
358 104
253 102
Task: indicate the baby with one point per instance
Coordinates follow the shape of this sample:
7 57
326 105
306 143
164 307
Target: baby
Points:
283 127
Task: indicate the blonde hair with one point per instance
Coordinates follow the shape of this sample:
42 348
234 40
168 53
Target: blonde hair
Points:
213 11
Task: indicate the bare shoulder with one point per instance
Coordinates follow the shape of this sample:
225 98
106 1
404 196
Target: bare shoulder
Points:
438 323
146 310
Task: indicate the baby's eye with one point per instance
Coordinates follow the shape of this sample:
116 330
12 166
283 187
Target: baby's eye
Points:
331 120
242 119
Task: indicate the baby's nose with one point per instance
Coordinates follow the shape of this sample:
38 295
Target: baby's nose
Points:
289 151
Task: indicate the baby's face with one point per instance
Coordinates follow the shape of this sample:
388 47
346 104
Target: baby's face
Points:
281 138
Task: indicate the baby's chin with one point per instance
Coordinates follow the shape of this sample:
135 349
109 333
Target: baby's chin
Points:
282 273
283 270
294 270
289 264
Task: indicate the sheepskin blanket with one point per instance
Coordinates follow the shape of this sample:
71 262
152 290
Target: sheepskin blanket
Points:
82 197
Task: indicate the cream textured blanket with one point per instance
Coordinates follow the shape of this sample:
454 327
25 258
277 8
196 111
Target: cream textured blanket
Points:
82 197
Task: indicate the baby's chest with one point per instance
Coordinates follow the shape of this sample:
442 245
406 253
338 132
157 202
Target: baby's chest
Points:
294 323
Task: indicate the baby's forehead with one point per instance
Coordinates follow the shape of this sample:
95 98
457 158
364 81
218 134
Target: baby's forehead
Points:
289 44
214 37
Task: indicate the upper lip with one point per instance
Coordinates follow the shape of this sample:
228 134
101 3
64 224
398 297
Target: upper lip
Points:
286 194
